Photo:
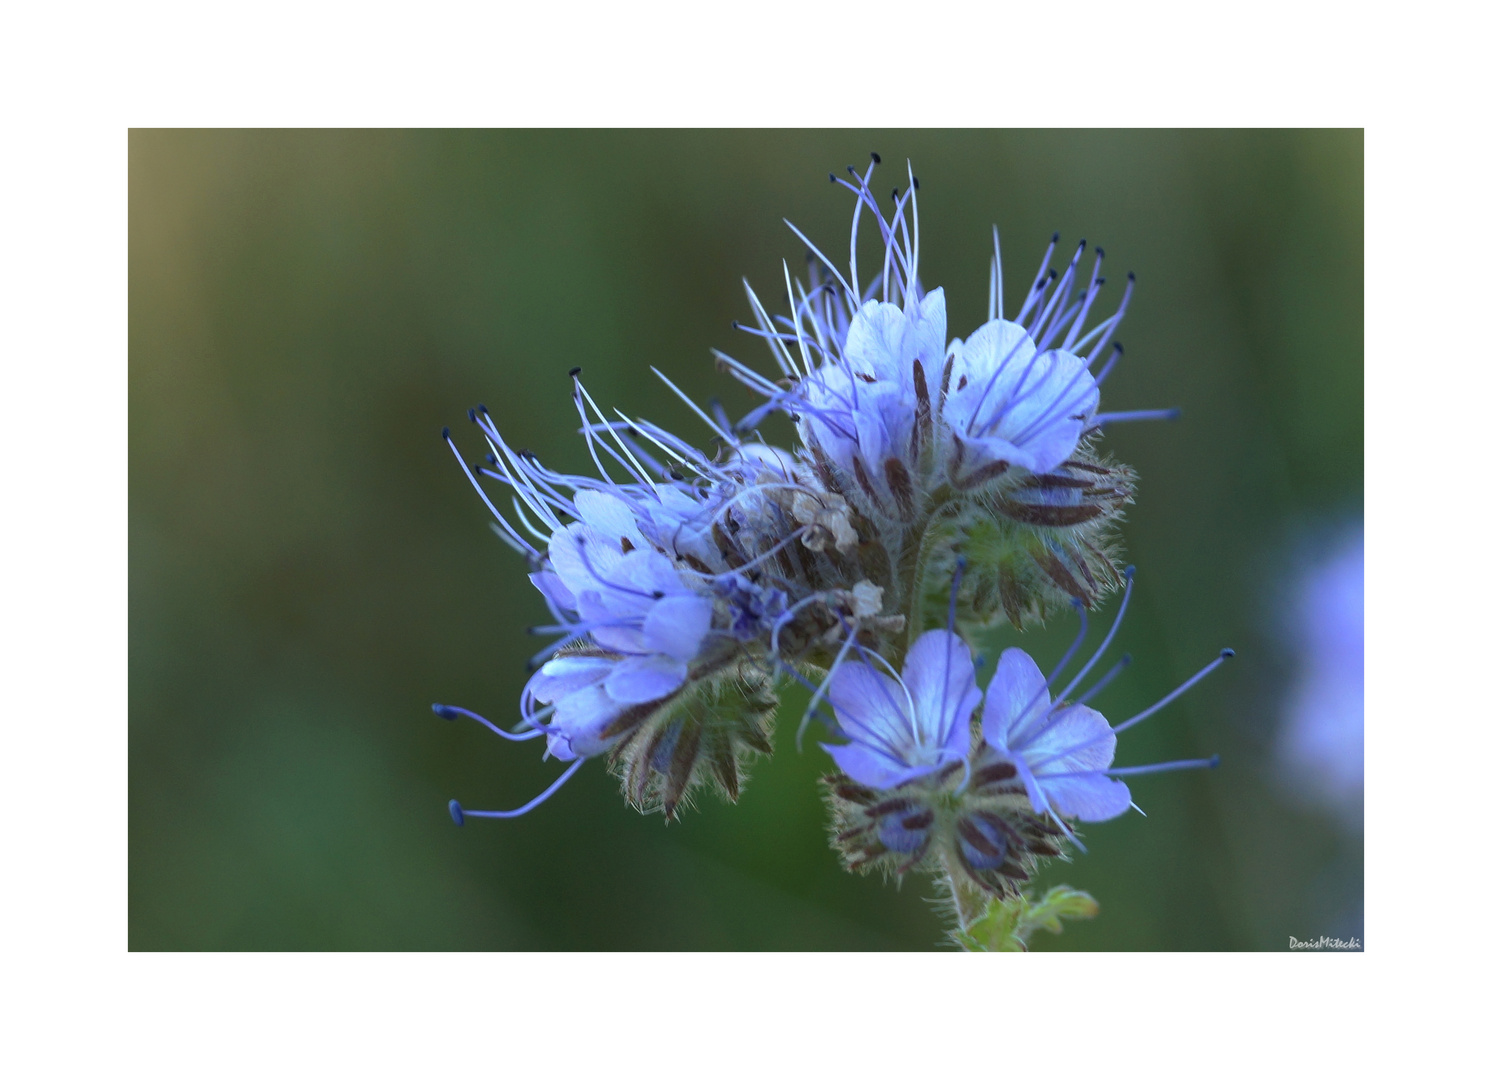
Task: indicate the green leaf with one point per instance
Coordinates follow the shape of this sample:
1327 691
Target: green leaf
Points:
1007 925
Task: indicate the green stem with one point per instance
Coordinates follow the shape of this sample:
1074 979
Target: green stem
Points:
966 904
942 506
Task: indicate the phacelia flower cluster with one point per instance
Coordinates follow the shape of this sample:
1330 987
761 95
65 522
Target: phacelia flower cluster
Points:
937 487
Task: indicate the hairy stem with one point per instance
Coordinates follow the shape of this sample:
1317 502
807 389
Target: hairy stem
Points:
967 904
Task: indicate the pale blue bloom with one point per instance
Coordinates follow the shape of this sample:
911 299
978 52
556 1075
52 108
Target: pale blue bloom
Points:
647 577
881 394
907 726
1063 750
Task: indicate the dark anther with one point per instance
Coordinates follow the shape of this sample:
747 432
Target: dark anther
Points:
1098 252
482 409
1100 281
875 157
833 179
1118 348
1131 275
674 474
574 371
658 594
445 433
916 184
491 459
895 192
1056 237
1227 654
471 414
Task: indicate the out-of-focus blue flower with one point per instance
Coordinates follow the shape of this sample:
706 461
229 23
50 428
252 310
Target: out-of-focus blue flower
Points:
1321 742
904 727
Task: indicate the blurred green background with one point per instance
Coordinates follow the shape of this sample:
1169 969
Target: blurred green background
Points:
309 570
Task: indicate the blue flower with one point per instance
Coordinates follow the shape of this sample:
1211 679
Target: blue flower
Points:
902 728
881 394
1321 741
664 584
1063 750
632 602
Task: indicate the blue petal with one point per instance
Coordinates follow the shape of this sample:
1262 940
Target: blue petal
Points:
871 704
568 674
645 678
578 721
1018 688
1073 738
677 624
939 672
872 768
1091 797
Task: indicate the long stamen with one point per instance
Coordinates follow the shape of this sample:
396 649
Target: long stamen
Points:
832 268
445 434
916 241
1108 677
1140 414
453 712
909 718
585 425
1118 316
459 815
1117 351
1038 284
996 282
1011 736
1094 284
823 687
1060 292
1129 577
1168 766
1226 654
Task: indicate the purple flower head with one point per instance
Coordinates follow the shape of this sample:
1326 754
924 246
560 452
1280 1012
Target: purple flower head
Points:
1011 404
633 603
652 572
881 394
1062 750
907 726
